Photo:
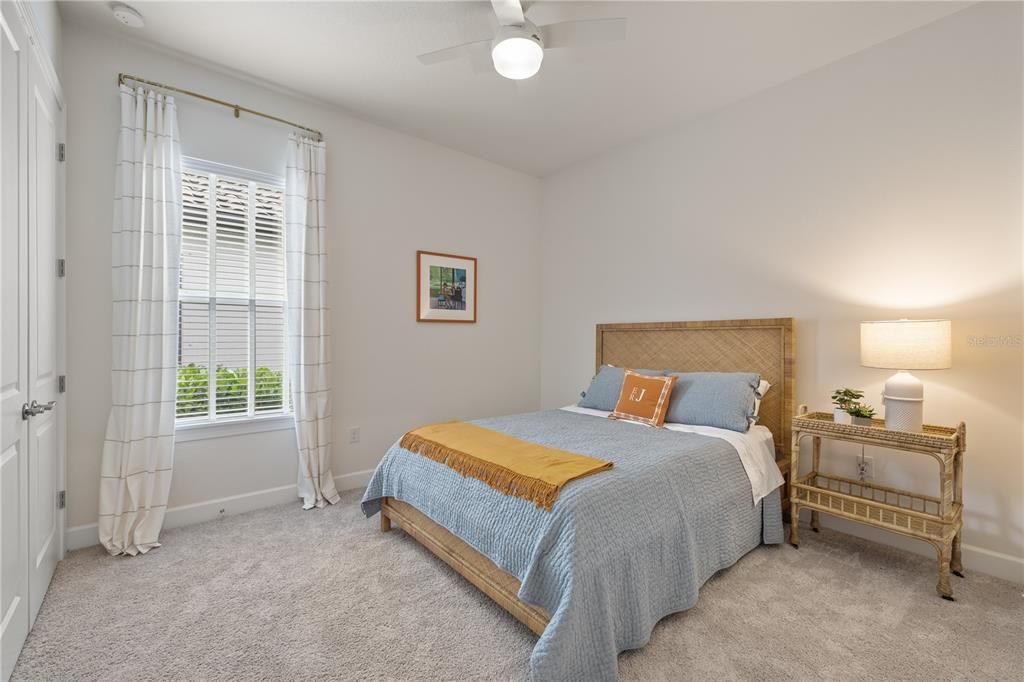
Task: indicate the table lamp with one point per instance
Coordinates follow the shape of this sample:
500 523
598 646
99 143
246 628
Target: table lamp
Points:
904 345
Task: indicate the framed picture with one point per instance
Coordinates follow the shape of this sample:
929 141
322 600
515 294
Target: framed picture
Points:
445 287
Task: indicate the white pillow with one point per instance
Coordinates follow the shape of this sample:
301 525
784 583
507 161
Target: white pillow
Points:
762 388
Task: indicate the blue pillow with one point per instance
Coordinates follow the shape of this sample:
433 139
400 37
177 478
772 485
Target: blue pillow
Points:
721 399
605 387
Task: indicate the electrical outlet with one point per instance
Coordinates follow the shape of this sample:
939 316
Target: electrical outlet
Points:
866 468
353 435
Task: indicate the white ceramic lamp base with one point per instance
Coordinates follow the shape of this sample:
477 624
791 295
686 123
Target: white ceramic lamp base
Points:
904 402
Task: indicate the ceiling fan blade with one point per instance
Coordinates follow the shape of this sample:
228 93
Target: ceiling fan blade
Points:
583 32
510 12
471 50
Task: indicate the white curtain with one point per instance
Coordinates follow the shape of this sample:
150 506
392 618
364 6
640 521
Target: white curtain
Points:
138 451
308 328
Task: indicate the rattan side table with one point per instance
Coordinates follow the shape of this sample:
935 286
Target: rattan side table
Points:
936 520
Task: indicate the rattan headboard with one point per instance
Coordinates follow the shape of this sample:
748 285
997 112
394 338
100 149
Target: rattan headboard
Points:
763 346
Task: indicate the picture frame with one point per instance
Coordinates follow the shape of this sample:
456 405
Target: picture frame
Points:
446 286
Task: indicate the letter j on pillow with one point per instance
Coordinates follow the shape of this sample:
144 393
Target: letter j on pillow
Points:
644 399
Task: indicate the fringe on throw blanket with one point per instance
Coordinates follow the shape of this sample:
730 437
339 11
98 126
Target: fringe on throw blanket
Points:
541 493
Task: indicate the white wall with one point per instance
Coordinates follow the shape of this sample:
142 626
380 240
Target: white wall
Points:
389 195
885 185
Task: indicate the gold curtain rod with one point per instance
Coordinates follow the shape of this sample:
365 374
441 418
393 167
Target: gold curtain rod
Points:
237 108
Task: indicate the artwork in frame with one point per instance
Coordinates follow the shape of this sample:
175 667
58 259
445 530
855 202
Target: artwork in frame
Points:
445 287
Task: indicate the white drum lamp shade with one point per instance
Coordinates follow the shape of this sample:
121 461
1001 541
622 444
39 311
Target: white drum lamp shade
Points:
905 345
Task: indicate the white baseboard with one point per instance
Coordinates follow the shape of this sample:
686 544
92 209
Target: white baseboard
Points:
357 479
974 558
186 515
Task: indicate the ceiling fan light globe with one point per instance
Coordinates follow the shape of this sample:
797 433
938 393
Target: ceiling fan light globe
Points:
517 57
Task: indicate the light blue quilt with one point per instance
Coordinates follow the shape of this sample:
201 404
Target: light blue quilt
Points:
620 550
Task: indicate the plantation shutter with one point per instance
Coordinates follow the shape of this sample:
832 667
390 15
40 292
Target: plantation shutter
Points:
231 350
193 297
269 284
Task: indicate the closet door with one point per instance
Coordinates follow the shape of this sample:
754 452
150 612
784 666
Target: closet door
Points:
31 424
14 385
45 470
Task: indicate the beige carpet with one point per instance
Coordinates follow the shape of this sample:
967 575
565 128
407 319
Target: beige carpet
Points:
287 594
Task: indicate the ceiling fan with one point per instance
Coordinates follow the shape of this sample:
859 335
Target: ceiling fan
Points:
518 49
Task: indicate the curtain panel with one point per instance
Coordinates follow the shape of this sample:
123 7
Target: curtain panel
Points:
308 324
138 451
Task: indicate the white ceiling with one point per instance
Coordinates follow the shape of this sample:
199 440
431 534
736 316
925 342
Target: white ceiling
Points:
680 59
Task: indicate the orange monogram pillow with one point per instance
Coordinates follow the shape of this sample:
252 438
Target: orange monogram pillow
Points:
644 399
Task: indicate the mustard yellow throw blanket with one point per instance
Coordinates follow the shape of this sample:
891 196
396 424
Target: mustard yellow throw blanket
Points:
509 465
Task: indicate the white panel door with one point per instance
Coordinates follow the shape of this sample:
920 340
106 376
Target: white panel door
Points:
44 471
14 390
31 440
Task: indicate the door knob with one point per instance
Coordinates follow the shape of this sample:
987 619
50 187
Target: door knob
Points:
36 408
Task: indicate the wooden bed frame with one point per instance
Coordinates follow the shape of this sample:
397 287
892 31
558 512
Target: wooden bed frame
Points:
762 345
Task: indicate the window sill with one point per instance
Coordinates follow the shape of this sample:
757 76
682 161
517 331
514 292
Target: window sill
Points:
184 433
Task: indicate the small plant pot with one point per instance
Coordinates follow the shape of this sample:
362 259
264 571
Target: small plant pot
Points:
841 416
861 421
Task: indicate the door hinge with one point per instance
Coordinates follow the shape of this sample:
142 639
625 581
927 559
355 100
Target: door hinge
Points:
60 151
62 267
62 384
62 499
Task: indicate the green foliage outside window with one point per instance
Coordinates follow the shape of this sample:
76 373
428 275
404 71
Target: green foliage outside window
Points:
269 389
232 389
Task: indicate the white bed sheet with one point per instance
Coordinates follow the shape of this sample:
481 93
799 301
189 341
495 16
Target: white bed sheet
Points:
756 449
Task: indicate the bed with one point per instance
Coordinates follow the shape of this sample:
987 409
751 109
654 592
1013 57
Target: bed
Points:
622 549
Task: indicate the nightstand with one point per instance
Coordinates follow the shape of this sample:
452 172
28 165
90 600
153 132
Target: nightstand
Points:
936 520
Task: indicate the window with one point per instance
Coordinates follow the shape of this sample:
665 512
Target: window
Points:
231 314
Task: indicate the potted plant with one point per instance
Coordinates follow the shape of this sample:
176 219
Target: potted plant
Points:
843 399
861 414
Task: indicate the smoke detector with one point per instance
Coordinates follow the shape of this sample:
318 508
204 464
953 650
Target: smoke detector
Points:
128 16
